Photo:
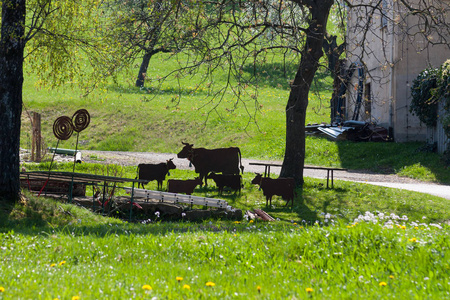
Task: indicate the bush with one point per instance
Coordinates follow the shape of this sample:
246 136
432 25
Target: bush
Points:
424 104
430 88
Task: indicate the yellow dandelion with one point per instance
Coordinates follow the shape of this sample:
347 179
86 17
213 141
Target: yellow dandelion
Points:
259 289
2 289
416 227
179 278
62 263
251 221
76 298
383 283
237 222
413 240
348 226
186 287
52 265
146 287
403 227
209 283
295 223
309 290
391 276
55 298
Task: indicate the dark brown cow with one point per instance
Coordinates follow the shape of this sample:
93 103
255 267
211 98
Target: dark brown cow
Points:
158 172
283 187
183 186
227 180
224 160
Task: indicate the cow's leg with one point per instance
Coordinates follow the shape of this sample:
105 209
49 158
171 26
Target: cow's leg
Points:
287 202
202 175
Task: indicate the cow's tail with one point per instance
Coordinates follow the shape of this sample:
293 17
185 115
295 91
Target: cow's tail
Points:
240 161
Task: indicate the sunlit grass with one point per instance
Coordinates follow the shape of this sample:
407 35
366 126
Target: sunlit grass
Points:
373 256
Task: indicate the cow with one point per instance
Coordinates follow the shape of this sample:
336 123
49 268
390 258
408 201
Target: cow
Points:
230 180
150 172
182 186
224 160
283 187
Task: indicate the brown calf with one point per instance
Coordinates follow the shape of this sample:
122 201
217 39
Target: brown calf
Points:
283 187
183 186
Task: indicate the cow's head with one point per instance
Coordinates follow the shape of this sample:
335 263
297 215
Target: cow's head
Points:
170 164
186 151
257 179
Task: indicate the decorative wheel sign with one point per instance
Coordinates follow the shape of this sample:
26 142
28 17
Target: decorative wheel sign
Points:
63 128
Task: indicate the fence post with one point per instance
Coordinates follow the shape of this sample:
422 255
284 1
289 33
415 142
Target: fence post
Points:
36 145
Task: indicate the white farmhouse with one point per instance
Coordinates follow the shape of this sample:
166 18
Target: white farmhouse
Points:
387 55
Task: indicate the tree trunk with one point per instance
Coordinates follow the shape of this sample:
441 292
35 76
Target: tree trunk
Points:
143 69
11 80
294 157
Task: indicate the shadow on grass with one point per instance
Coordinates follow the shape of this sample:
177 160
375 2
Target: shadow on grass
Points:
153 91
406 159
285 213
278 75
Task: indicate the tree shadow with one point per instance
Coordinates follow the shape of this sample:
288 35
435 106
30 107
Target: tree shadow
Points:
153 91
390 158
304 213
279 75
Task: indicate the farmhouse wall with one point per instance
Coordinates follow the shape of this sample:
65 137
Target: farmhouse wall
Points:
393 57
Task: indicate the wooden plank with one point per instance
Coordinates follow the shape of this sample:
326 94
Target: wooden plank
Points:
177 198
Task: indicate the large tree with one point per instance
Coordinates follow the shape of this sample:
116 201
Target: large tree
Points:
12 45
53 35
244 36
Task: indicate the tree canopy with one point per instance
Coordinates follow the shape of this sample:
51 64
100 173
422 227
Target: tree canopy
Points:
60 40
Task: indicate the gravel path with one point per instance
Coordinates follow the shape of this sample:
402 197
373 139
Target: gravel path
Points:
394 181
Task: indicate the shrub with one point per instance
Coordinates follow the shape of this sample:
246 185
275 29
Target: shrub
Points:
424 104
430 88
